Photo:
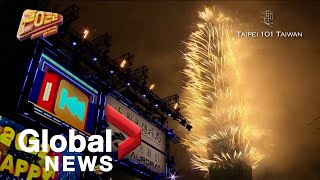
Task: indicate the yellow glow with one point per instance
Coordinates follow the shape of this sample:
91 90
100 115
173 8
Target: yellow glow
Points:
151 86
175 106
123 63
85 33
221 134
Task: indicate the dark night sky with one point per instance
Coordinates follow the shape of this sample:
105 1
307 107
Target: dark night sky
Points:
280 78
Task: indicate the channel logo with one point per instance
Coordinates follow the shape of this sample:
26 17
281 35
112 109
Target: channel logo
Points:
64 100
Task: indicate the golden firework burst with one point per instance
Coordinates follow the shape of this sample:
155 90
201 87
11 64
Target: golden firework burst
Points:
221 135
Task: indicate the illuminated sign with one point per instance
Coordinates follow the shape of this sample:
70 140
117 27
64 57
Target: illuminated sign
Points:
69 104
15 163
62 97
36 23
152 150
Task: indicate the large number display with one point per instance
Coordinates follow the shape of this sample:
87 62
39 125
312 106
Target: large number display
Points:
62 97
152 151
22 165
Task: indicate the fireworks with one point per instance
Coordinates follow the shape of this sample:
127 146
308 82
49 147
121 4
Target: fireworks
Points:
221 135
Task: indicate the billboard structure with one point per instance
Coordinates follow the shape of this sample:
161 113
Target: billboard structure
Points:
59 95
60 98
71 91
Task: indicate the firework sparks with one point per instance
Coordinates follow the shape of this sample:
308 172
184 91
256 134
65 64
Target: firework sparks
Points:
221 135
